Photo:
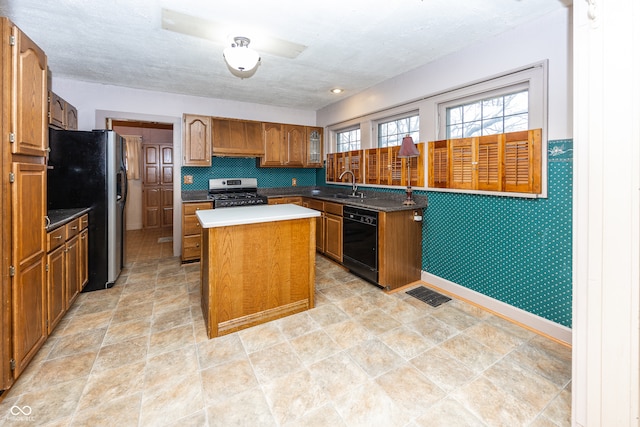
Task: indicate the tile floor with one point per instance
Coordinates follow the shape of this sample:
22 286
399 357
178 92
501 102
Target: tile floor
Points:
138 355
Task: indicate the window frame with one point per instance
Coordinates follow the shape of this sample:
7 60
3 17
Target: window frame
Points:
389 119
533 77
344 130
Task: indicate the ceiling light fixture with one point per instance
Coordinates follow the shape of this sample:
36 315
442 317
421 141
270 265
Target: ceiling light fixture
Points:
337 90
240 57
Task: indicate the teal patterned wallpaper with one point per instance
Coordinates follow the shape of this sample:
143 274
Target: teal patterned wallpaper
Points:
233 167
515 250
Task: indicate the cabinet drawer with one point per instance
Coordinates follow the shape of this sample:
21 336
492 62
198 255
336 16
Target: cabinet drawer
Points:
84 221
333 208
191 225
73 228
191 247
56 238
191 208
316 204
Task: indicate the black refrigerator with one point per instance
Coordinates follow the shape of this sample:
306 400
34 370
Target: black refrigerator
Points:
87 169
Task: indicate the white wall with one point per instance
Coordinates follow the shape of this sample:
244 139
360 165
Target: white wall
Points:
91 97
97 102
546 38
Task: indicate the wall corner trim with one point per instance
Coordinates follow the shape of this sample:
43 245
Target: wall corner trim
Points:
528 320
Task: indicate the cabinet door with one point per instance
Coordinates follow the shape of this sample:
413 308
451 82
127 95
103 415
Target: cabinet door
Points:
237 137
166 219
273 145
196 140
30 110
151 165
333 237
28 235
71 114
320 220
72 264
152 207
56 277
314 147
83 261
296 140
166 164
56 111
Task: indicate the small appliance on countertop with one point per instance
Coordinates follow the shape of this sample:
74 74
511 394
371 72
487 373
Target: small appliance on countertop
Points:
229 192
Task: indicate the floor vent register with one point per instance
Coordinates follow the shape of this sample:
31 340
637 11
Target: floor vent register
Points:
432 298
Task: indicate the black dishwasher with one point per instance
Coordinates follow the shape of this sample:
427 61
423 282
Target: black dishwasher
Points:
360 242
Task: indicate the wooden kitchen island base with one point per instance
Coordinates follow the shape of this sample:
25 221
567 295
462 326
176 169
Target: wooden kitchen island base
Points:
255 273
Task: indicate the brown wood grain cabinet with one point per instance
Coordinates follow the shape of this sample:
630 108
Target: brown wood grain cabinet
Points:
399 248
24 126
191 230
328 227
56 288
66 267
272 136
62 115
287 145
196 140
295 140
232 137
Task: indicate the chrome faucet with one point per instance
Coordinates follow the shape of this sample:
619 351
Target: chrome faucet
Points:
353 181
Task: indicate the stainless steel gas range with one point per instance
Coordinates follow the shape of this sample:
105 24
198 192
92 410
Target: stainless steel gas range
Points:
229 192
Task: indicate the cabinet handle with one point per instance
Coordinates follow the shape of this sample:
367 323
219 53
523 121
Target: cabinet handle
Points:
47 221
197 245
57 237
71 247
74 228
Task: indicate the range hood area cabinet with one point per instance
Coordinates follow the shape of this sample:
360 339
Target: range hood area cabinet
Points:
274 144
236 138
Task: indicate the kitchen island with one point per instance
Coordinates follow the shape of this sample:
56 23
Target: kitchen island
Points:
257 265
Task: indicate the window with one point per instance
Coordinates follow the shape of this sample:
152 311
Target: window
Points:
489 116
348 140
490 136
391 133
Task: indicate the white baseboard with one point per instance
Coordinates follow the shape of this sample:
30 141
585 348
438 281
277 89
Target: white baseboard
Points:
531 321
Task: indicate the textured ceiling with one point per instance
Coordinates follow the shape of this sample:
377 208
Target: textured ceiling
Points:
352 44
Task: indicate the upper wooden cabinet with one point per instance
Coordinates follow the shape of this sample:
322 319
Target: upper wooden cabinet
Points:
29 131
314 147
62 115
295 139
196 140
272 136
275 144
287 145
237 138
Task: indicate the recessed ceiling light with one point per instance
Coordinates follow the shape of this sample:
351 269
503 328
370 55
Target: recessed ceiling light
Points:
337 90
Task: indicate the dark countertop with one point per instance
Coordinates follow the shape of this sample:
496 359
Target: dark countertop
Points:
376 200
59 217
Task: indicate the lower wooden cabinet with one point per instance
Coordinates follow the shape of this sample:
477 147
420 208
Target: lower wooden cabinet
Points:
67 267
191 230
56 287
328 227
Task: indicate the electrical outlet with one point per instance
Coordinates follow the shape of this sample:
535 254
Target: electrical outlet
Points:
294 182
188 179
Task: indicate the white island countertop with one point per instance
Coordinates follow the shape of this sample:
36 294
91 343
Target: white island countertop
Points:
224 217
